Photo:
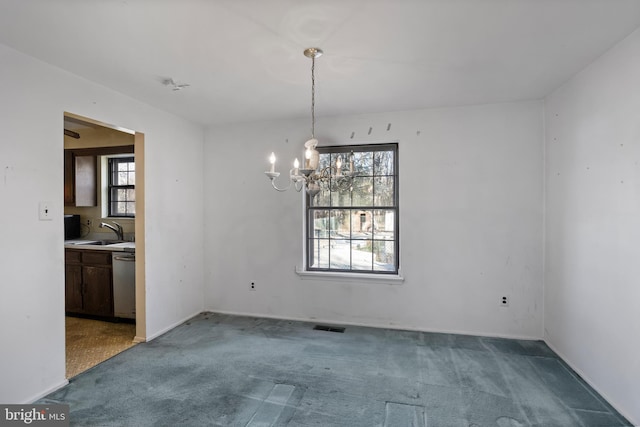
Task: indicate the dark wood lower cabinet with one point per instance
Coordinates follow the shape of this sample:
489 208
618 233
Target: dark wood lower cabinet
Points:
88 282
73 288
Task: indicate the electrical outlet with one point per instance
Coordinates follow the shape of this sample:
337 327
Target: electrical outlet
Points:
89 222
504 301
252 287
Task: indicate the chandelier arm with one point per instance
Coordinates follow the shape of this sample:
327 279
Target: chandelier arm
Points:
272 177
273 184
328 178
344 184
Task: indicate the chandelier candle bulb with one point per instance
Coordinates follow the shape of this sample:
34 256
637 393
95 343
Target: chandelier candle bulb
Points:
307 156
272 160
296 166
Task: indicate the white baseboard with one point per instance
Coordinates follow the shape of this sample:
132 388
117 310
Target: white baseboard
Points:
588 380
170 327
46 392
379 326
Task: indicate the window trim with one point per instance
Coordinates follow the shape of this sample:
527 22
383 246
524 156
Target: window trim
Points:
391 277
351 276
119 159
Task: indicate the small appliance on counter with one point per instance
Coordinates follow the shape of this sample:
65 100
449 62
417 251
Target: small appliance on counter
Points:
71 227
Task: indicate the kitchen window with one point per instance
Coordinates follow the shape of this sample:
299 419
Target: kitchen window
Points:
121 187
354 228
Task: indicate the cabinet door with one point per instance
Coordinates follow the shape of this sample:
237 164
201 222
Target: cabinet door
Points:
69 179
73 288
98 292
80 179
85 181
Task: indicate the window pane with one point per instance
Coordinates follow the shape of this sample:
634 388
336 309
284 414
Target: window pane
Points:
363 191
319 253
384 191
361 224
324 161
383 162
340 258
340 197
123 208
363 163
323 198
130 207
320 224
361 255
340 224
384 225
384 255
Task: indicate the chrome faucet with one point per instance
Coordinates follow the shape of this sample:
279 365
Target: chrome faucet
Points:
118 230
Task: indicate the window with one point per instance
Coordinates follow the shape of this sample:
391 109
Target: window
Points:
354 227
122 190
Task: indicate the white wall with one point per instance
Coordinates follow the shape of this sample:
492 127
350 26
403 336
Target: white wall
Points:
34 98
592 258
471 222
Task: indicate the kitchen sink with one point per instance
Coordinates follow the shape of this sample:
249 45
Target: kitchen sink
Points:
103 242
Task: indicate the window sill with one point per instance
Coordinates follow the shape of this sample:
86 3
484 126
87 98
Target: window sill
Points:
388 279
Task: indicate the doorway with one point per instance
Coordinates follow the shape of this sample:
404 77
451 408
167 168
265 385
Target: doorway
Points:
93 337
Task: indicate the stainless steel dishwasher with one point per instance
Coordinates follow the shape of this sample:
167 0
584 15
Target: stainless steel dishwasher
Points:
124 284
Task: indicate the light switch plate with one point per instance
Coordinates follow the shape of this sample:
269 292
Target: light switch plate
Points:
44 209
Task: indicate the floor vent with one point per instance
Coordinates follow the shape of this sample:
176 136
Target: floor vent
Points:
328 328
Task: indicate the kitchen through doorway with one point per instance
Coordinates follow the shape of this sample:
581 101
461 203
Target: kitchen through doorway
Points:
104 241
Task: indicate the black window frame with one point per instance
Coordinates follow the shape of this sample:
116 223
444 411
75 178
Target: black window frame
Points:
112 170
309 210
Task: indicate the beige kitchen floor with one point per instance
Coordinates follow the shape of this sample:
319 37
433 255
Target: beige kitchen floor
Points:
90 342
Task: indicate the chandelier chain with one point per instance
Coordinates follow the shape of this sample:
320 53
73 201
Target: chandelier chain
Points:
313 96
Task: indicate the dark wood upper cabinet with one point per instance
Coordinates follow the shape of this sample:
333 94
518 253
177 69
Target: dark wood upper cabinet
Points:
86 181
69 179
80 179
81 173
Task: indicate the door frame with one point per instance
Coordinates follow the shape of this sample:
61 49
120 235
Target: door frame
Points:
138 148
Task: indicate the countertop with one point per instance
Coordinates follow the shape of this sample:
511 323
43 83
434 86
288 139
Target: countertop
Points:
87 244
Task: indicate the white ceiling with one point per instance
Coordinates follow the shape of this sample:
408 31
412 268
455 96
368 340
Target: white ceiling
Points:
243 58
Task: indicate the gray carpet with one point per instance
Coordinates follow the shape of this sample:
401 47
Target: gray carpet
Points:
218 370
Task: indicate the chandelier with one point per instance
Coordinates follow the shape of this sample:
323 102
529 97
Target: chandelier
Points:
309 177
